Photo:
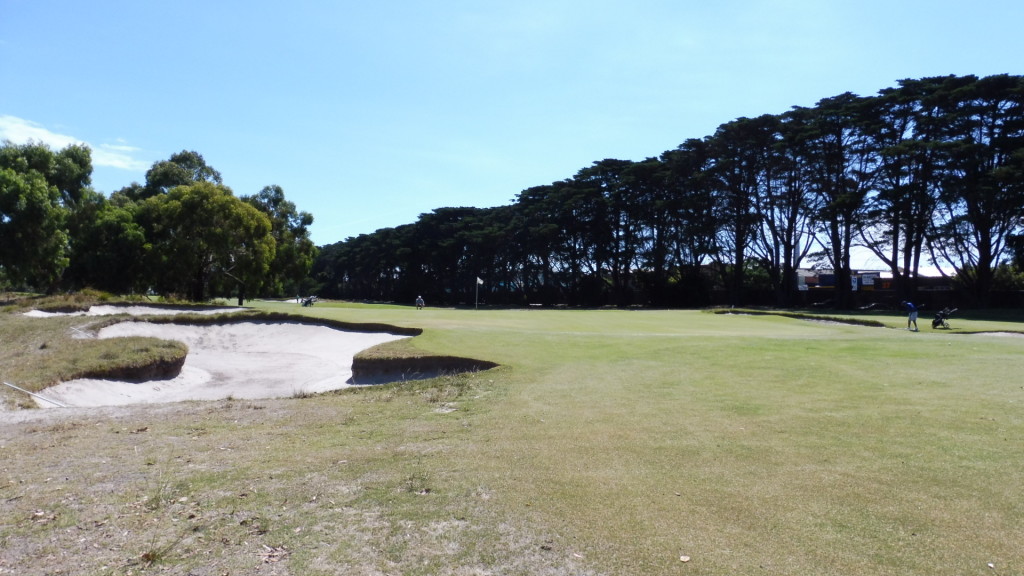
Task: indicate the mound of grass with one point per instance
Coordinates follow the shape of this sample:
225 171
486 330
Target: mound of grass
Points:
274 316
65 302
401 360
817 317
41 352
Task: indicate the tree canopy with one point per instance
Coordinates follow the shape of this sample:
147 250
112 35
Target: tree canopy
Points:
926 173
182 232
38 188
205 239
289 271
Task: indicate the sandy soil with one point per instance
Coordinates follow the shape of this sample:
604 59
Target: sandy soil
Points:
107 310
244 360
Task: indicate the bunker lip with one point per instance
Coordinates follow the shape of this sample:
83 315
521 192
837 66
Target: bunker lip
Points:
246 356
385 370
113 310
247 360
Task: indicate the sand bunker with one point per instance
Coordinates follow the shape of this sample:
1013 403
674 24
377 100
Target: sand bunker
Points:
243 360
107 310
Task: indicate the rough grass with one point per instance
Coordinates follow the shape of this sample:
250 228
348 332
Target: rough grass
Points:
278 316
608 442
40 352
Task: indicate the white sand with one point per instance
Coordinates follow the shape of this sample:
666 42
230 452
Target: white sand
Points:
106 310
244 360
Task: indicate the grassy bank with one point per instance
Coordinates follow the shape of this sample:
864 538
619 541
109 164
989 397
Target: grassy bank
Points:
607 442
39 352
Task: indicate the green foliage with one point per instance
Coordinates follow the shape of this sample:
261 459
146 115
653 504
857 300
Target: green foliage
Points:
33 241
295 251
202 239
182 232
1008 277
38 190
69 170
181 169
108 247
930 172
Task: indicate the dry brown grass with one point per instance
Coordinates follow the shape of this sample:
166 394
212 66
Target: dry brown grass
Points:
40 352
361 482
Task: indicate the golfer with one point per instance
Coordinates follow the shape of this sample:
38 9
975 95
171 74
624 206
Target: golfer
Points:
911 314
419 303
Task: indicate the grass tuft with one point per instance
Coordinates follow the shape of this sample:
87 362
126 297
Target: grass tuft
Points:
40 352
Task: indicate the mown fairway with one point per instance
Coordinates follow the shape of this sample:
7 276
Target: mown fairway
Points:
609 442
748 443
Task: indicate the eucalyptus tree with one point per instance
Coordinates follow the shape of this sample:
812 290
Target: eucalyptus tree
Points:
294 250
69 170
205 241
72 173
33 233
108 246
181 169
39 190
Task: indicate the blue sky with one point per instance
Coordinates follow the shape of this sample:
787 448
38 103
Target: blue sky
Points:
368 114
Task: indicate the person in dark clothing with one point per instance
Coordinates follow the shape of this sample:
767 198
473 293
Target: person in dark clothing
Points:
911 315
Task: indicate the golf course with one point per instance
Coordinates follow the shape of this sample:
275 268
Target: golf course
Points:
605 442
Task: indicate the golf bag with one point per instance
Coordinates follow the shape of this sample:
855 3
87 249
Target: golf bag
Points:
942 317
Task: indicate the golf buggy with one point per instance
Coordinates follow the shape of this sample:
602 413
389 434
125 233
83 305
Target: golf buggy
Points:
942 317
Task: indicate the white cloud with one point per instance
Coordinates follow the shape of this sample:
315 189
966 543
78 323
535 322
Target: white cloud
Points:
121 147
20 131
120 156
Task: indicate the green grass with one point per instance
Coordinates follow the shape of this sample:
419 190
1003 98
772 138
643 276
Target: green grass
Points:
608 442
749 441
961 322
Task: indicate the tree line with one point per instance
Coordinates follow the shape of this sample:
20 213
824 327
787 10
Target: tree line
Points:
930 172
181 234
